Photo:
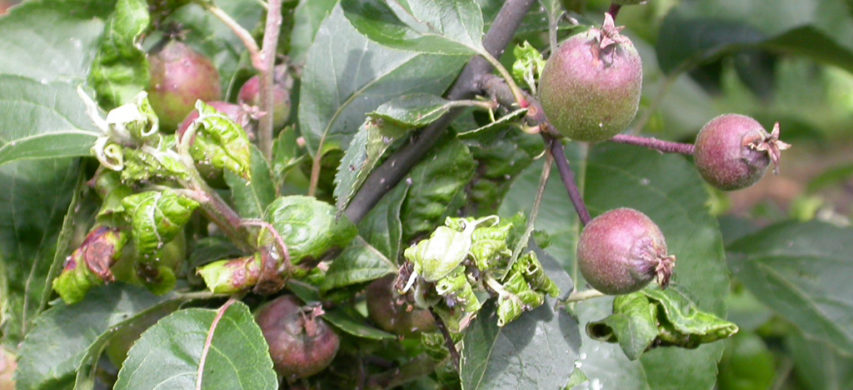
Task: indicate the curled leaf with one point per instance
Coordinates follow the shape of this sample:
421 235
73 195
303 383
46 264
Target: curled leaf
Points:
310 228
653 318
219 142
156 217
231 276
89 265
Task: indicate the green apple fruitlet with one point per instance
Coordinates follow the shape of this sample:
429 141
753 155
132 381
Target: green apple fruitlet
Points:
621 251
590 88
179 77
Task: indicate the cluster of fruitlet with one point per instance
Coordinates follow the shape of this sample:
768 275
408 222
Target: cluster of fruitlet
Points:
590 91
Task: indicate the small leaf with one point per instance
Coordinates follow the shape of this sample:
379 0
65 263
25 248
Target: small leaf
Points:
346 76
381 227
169 353
251 197
63 336
356 326
220 142
120 69
414 110
358 263
800 270
156 217
449 27
42 120
366 148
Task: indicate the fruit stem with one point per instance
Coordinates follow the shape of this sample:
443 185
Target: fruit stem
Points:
448 340
577 296
239 31
516 91
614 10
271 31
653 143
556 149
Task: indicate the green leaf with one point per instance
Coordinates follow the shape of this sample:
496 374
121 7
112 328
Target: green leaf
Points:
52 40
309 227
358 263
355 325
346 76
367 147
437 185
29 223
220 142
449 27
66 338
533 352
414 110
668 190
251 197
156 217
120 69
818 366
382 227
169 353
652 318
42 120
800 270
307 18
700 30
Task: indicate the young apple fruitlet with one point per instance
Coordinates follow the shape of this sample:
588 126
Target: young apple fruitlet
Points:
733 151
590 88
392 313
301 344
622 250
179 77
251 96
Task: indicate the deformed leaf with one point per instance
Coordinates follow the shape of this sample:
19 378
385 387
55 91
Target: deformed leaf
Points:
63 336
309 227
169 354
156 217
220 142
358 263
651 318
801 271
120 69
449 27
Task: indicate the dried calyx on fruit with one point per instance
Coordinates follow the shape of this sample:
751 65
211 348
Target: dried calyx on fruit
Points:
301 344
282 83
622 250
179 77
733 151
590 88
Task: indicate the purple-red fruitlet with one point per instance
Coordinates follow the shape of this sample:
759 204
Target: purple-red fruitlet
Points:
733 151
622 250
179 77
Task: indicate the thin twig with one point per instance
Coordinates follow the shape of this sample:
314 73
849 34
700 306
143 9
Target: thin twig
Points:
387 175
654 143
448 339
209 340
271 32
239 31
568 177
276 237
614 10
